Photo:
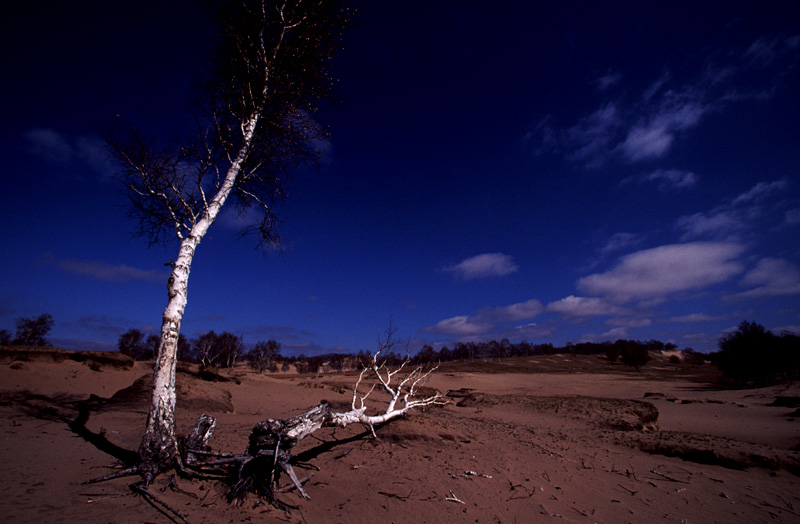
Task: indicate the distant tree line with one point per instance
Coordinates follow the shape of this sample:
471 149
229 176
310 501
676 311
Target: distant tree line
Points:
750 355
29 332
226 349
754 355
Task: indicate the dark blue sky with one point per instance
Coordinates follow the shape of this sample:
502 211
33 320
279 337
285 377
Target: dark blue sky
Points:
553 173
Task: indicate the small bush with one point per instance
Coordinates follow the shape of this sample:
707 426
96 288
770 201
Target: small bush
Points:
753 354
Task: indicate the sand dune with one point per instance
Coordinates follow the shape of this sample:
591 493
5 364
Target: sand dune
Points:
544 439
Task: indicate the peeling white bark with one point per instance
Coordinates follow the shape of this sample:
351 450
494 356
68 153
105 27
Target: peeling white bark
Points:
159 446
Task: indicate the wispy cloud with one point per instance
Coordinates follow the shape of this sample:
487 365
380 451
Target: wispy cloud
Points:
693 318
652 275
592 138
108 272
667 179
57 148
607 80
513 313
718 223
620 241
761 191
460 326
612 334
630 322
771 277
483 266
487 319
653 136
731 218
573 306
645 126
529 331
48 144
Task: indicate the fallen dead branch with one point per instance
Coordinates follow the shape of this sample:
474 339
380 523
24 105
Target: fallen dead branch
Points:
269 451
453 498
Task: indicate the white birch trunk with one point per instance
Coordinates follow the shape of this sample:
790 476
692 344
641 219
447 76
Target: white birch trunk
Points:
159 447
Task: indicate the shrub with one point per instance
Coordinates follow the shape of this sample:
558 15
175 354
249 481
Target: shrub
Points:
693 358
262 356
612 353
753 354
32 331
633 353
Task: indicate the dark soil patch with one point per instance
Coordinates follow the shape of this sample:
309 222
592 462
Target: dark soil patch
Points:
94 359
620 414
786 402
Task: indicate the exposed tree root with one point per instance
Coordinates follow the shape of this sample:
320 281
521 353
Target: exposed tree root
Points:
157 503
269 450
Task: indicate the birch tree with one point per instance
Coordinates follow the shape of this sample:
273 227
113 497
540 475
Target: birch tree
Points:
253 127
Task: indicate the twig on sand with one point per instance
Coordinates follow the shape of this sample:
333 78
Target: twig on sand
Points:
157 503
344 453
174 487
545 512
290 487
579 511
396 496
453 498
770 505
667 477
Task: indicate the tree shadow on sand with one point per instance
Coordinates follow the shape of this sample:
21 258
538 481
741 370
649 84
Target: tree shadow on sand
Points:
72 412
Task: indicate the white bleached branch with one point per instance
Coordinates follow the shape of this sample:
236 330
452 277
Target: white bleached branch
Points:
401 387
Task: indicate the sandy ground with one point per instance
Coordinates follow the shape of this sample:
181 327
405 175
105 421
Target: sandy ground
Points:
544 439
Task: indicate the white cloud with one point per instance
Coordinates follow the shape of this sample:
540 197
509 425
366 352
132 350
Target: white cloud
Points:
620 241
793 216
49 144
594 134
531 330
607 80
656 86
103 271
486 319
573 306
731 218
771 277
761 191
652 139
615 334
612 334
787 329
646 142
672 179
653 274
54 147
767 49
482 266
646 126
513 313
695 318
719 223
629 322
92 151
460 325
